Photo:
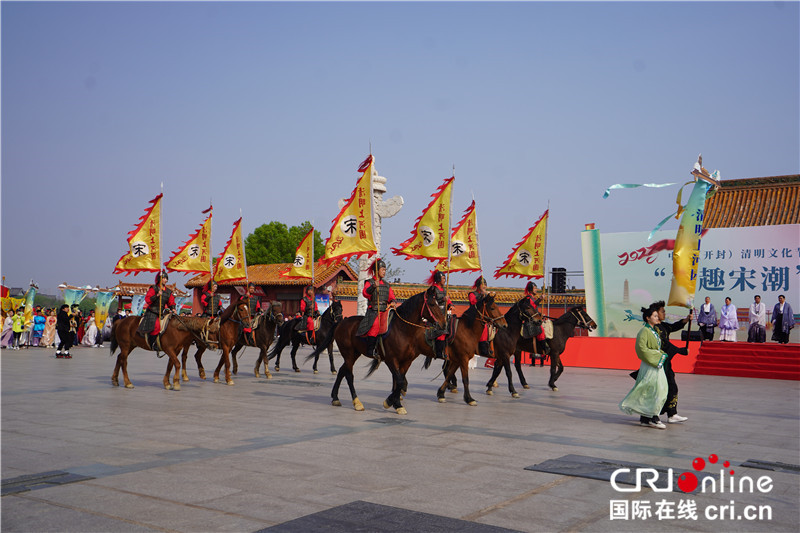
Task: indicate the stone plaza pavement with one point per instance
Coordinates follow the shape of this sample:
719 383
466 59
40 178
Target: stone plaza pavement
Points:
81 455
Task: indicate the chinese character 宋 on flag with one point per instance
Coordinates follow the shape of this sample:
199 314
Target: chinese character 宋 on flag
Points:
527 259
464 246
303 264
430 235
351 232
144 242
231 264
195 255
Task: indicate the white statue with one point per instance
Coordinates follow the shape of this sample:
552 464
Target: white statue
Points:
382 209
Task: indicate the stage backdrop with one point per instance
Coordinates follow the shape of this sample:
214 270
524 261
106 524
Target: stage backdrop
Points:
734 262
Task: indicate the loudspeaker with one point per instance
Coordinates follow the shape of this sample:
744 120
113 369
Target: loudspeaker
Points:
692 336
559 280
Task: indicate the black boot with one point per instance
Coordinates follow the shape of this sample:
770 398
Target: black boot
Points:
483 349
152 340
439 349
371 342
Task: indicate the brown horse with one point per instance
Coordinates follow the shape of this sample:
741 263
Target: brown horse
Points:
233 319
563 328
180 332
401 344
465 344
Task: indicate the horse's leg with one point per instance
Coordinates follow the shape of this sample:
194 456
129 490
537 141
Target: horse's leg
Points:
510 377
124 360
348 372
449 372
555 361
184 356
227 358
335 391
330 357
295 346
176 362
518 366
465 380
115 375
198 357
492 380
262 356
219 365
393 400
233 359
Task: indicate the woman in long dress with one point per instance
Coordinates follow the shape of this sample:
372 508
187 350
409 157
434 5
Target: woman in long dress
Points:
649 393
90 332
49 335
7 337
728 322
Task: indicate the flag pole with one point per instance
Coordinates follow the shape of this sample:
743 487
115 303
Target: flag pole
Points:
449 240
477 236
160 266
313 286
244 256
210 247
546 229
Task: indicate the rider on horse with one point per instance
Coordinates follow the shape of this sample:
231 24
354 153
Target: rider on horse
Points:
532 294
157 301
479 292
308 311
380 297
435 281
209 299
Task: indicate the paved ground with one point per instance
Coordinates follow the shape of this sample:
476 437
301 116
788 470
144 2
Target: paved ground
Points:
275 454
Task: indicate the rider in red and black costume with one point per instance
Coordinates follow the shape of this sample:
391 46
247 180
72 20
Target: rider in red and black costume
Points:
157 302
435 280
309 311
478 293
531 292
380 298
209 299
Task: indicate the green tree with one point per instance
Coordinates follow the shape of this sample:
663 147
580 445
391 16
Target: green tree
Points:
276 243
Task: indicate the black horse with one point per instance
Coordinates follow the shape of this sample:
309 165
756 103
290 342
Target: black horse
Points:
324 337
563 328
506 341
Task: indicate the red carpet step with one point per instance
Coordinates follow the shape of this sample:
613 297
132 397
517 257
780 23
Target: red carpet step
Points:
749 360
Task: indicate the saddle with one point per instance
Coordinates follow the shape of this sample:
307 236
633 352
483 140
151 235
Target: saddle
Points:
210 333
450 329
547 326
531 329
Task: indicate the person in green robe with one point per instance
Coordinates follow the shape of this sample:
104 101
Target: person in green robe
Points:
648 394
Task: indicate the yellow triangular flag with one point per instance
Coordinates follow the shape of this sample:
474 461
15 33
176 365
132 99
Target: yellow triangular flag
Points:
195 254
303 265
144 242
429 237
464 247
351 232
231 264
527 259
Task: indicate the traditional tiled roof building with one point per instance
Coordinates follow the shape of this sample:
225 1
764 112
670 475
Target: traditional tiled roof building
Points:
766 201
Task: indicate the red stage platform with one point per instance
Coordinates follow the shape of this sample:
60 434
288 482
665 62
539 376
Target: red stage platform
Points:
770 360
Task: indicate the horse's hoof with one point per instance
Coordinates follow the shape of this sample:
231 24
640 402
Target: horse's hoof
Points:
297 370
115 382
168 386
442 399
186 378
268 375
357 405
277 368
129 385
555 389
495 385
177 386
230 382
256 373
235 372
203 376
526 386
336 403
216 380
402 411
333 372
515 395
386 405
315 371
473 403
490 392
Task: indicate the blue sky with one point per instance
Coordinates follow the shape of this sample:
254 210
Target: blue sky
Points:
270 107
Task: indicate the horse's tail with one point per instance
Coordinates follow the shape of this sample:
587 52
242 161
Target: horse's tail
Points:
284 332
427 362
373 367
114 343
323 344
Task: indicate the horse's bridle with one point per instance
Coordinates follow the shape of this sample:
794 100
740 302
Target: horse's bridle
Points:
581 319
425 306
484 317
